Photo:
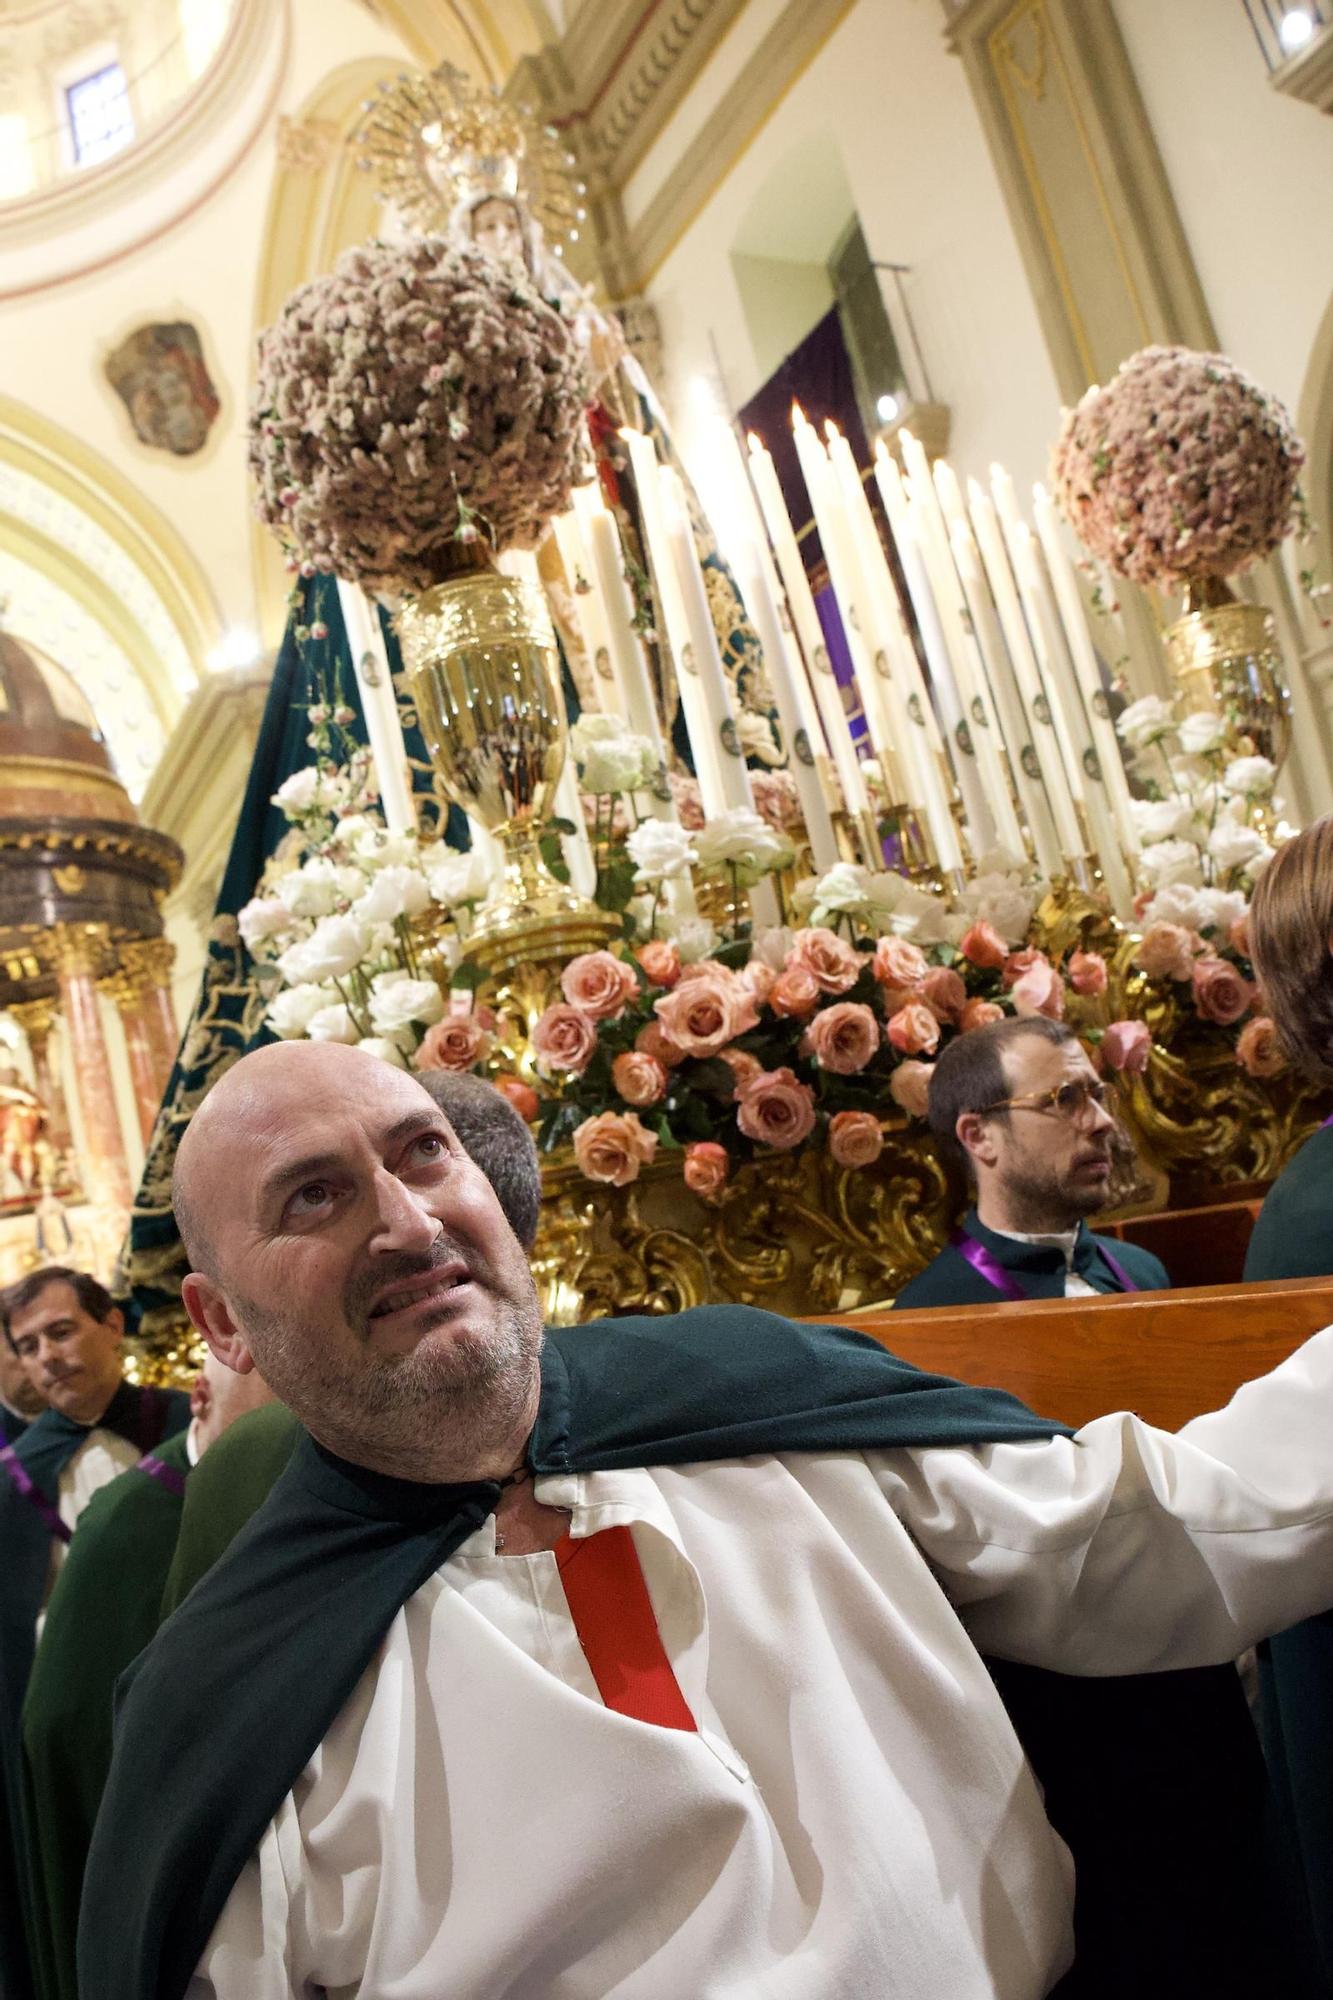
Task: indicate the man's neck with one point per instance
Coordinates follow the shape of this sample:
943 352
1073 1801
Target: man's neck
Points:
491 1451
1011 1214
90 1423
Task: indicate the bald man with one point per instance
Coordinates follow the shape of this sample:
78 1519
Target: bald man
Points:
643 1663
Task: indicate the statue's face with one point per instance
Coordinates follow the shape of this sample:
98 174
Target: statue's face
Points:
498 230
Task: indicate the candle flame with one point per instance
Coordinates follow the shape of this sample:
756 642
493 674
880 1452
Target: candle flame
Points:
1040 494
831 430
975 490
755 442
797 413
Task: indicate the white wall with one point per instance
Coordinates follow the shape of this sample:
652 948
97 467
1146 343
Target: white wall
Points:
1252 175
885 93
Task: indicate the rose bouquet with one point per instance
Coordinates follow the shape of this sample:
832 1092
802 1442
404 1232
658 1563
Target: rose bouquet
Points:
416 397
1181 468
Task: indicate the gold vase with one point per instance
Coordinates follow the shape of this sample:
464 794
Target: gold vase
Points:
482 659
1225 658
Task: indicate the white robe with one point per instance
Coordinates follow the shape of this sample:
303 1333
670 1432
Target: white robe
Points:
855 1817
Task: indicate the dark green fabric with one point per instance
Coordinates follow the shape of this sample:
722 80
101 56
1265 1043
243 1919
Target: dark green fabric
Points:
228 1015
143 1417
949 1280
12 1425
103 1611
269 1647
226 1488
1293 1238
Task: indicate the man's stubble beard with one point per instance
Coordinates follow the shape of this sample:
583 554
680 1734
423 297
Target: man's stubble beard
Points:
1050 1204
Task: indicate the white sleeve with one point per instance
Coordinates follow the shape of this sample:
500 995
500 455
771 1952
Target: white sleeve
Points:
248 1957
1126 1549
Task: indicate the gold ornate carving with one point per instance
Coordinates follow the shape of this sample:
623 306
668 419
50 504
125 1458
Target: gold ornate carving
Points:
306 145
78 951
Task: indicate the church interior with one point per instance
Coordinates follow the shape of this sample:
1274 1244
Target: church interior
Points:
742 590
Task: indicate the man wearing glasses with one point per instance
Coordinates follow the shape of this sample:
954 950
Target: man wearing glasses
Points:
1020 1108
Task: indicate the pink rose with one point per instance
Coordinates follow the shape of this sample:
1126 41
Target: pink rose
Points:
743 1066
760 978
564 1038
776 1109
1087 973
914 1031
983 946
660 961
829 959
945 994
599 984
898 963
795 993
1257 1048
706 1169
980 1014
855 1138
1126 1046
521 1095
701 1014
650 1041
612 1147
1220 994
1238 936
1039 990
458 1042
1019 962
1166 952
842 1038
640 1079
910 1086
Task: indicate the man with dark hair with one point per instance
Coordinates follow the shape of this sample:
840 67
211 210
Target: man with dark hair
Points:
1019 1107
68 1335
20 1401
637 1657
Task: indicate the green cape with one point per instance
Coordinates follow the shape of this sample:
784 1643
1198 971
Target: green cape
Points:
950 1280
103 1611
143 1417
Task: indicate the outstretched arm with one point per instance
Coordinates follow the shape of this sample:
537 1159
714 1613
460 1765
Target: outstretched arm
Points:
1129 1550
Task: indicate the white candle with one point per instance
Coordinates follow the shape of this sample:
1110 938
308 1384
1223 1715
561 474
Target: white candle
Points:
370 663
763 610
969 666
1029 775
1088 676
644 465
709 715
805 618
631 672
1063 801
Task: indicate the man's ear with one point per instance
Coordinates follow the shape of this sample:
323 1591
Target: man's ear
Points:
115 1319
976 1135
206 1303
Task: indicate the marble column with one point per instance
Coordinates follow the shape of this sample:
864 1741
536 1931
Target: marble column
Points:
78 954
147 962
129 995
37 1019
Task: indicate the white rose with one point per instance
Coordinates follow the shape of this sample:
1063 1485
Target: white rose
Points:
1233 846
740 839
845 886
1179 903
1251 776
387 1051
1162 819
375 847
999 900
315 889
456 878
1201 733
1169 861
292 1011
332 1024
593 727
308 790
1219 909
396 1001
770 944
334 947
1146 721
393 892
614 765
660 850
263 917
693 937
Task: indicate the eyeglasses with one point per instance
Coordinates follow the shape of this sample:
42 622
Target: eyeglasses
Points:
1070 1100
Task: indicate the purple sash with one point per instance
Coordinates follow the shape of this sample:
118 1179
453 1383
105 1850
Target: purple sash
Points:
165 1475
992 1270
18 1472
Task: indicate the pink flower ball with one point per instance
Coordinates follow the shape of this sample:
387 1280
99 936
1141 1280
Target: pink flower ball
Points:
706 1169
842 1038
640 1079
855 1138
914 1031
564 1038
612 1147
777 1110
599 984
1126 1046
1087 973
